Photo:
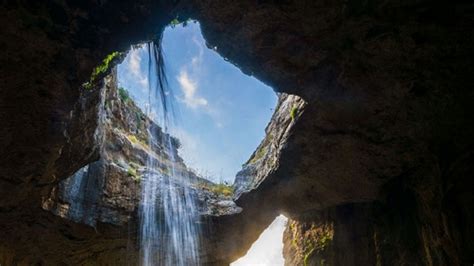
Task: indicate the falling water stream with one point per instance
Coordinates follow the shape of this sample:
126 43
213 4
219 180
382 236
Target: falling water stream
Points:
169 233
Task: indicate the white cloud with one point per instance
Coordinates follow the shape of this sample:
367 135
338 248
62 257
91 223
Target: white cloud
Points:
134 65
188 79
268 249
189 88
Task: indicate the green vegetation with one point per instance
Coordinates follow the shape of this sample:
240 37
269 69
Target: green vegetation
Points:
138 119
293 112
123 94
222 189
101 69
262 149
311 238
132 171
133 139
175 22
259 154
307 255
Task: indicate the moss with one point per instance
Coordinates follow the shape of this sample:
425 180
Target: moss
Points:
134 165
133 139
293 112
132 172
309 239
138 140
101 69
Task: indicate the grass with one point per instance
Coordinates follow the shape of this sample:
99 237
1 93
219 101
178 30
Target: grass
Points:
219 189
222 189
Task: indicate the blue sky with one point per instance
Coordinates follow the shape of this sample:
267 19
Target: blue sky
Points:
221 113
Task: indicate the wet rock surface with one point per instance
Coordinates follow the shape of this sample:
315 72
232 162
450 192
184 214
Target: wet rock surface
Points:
109 190
388 119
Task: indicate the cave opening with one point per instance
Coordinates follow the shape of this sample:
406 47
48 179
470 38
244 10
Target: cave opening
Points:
219 113
268 248
218 117
184 134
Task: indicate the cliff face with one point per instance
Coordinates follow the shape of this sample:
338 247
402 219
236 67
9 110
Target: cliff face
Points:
97 206
109 190
266 157
388 121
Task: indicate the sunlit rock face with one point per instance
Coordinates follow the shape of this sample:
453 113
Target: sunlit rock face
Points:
266 157
108 190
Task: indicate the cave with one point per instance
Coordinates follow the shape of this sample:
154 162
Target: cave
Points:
369 151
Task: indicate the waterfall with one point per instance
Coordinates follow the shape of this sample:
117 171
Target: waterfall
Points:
169 231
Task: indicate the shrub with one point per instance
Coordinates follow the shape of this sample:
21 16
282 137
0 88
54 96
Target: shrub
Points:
174 22
123 94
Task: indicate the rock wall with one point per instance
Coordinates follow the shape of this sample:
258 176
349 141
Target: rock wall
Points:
266 157
388 117
409 225
109 190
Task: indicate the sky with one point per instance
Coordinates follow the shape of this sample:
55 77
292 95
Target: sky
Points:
220 113
268 249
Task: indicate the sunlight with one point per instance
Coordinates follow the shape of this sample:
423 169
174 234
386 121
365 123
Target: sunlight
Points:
268 249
